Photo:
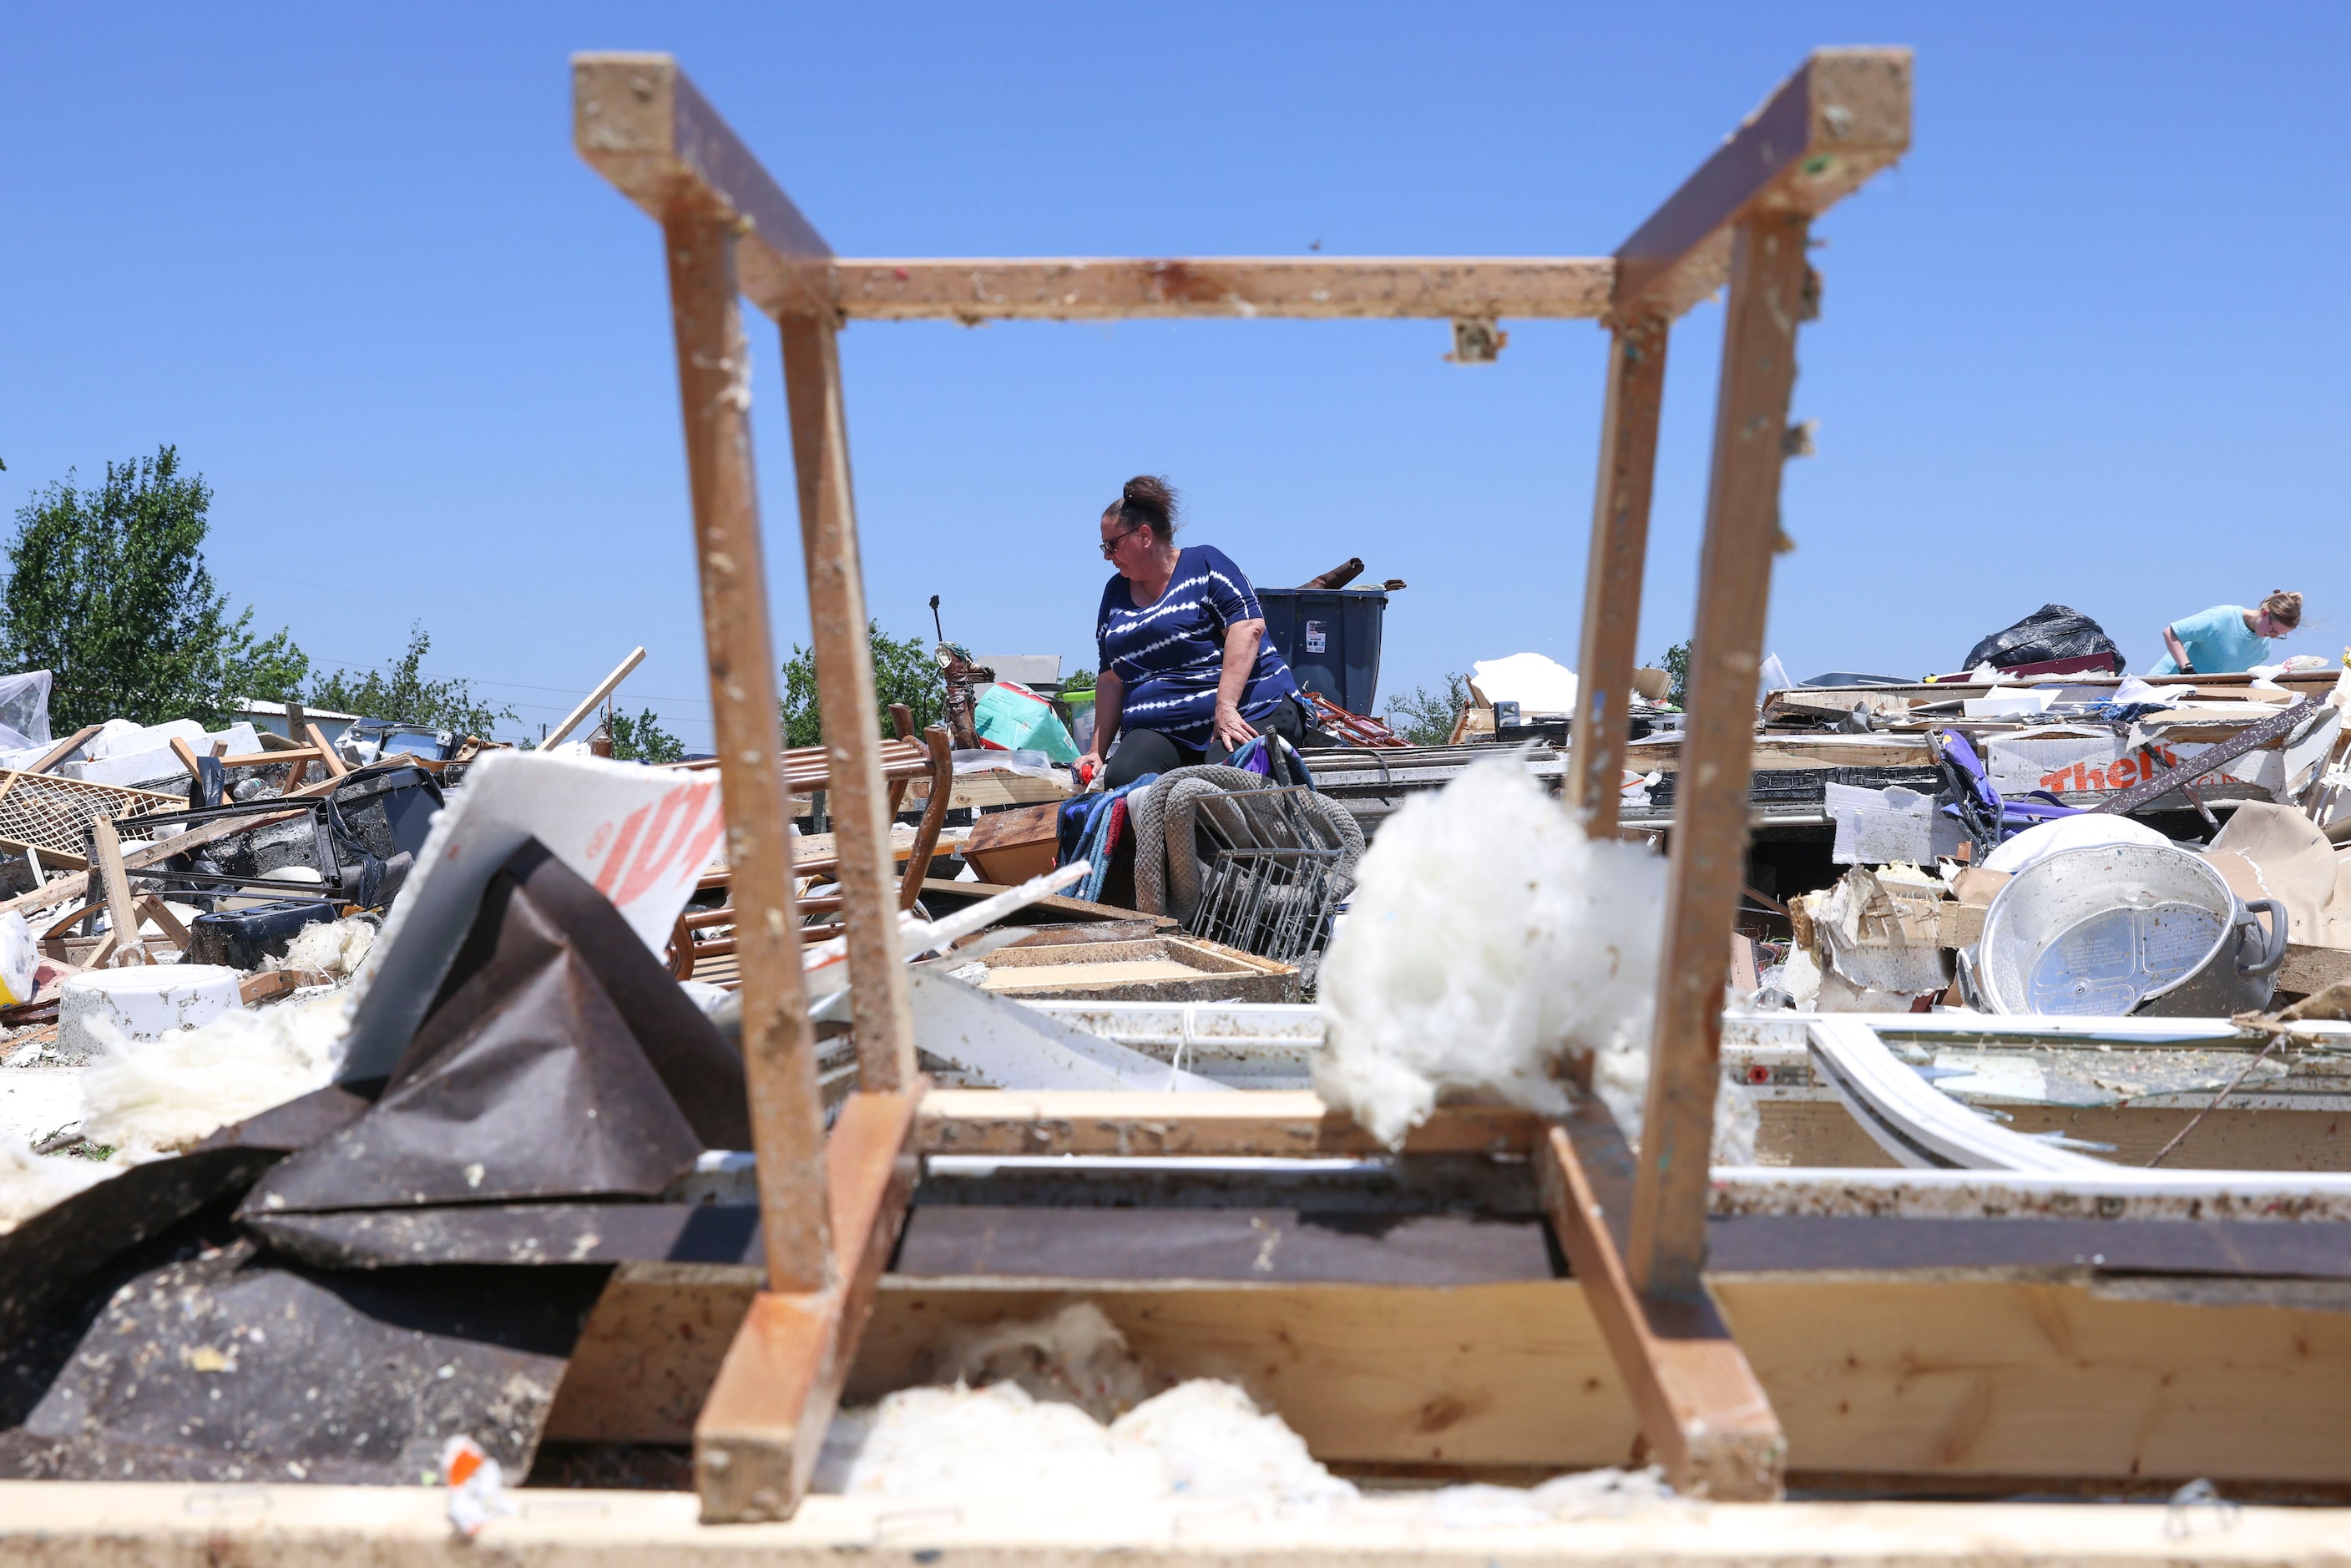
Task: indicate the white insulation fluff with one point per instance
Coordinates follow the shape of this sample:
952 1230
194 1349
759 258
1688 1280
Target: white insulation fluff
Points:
1486 938
1069 1411
151 1097
1200 1439
332 948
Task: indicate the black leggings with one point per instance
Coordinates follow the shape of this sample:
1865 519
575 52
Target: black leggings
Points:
1140 751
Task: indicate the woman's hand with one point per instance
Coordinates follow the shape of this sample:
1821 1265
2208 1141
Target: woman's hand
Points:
1086 767
1232 731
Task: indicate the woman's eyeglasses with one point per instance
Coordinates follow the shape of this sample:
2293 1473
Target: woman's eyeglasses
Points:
1111 544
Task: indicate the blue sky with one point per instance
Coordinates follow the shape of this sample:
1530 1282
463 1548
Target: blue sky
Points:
2086 344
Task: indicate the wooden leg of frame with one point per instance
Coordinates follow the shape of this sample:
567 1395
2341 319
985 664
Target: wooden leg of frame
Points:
880 1004
756 1443
1612 577
1665 1249
778 1048
1705 1416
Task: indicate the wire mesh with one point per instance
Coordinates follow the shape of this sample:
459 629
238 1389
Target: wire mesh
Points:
1273 881
53 815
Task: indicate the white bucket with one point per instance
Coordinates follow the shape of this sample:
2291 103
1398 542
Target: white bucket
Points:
145 1003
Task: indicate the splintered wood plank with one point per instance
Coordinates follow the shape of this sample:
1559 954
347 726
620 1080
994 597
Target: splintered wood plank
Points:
1613 572
121 913
589 704
329 757
65 748
1707 1418
881 1008
2159 1378
1668 1246
1269 1122
1845 115
756 1442
1112 288
778 1048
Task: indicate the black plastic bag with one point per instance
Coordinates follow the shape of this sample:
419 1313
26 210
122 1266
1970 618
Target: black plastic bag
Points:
2052 631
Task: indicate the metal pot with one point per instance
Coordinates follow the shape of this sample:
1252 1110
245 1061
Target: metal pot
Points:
2124 929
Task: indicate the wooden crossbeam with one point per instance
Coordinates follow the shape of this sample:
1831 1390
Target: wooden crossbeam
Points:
756 1443
1702 1411
1845 115
1103 288
1263 1122
640 123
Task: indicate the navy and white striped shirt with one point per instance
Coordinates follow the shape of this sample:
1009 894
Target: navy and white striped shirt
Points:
1170 654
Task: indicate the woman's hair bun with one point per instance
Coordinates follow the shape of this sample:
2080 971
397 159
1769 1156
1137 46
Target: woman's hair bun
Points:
1146 501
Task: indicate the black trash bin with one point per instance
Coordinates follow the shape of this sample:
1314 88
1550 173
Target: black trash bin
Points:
1331 639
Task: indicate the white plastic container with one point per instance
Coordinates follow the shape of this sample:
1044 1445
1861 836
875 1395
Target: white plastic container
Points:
145 1002
20 960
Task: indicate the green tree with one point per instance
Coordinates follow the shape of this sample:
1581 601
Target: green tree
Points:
107 589
1675 662
904 671
642 739
401 693
1426 717
1078 683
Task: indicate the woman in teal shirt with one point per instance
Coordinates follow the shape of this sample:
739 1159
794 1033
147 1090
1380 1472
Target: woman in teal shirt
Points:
2227 637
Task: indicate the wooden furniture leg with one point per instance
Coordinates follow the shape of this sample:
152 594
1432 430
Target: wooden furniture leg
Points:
1612 577
1703 1414
935 815
880 1005
1667 1244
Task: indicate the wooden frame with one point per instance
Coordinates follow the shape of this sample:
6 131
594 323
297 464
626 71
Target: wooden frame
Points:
730 229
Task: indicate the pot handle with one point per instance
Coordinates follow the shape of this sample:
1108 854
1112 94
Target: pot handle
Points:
2273 939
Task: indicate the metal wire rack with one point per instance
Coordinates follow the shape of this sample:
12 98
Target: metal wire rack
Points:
53 815
1274 878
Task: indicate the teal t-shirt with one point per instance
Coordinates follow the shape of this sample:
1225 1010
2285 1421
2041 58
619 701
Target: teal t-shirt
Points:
2217 641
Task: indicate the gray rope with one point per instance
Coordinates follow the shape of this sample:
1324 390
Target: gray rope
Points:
1146 810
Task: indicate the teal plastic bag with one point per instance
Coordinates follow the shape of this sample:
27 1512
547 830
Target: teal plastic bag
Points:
1011 718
